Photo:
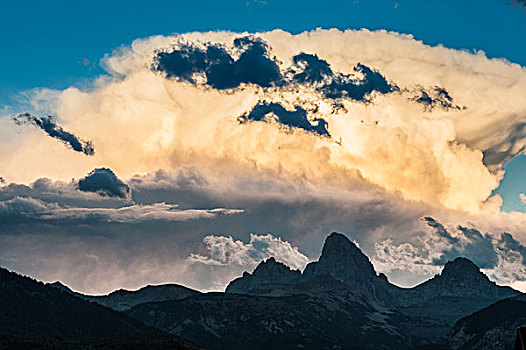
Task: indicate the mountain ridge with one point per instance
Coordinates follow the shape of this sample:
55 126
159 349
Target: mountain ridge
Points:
343 260
37 315
123 299
339 301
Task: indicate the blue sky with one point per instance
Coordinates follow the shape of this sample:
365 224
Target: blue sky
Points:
59 43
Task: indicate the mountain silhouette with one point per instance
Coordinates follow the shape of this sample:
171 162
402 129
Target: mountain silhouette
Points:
339 301
269 271
345 262
122 299
35 315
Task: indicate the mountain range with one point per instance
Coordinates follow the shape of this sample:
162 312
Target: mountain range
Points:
337 302
460 289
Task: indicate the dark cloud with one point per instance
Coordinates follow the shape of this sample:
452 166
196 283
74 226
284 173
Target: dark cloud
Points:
468 242
346 86
148 243
310 69
66 204
296 118
222 71
24 207
441 230
50 126
65 193
513 144
507 243
32 210
436 97
141 242
104 182
256 66
481 247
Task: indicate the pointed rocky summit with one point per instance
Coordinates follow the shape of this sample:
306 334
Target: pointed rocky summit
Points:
343 260
459 278
269 271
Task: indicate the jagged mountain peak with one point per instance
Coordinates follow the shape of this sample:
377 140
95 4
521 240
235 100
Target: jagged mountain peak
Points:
270 264
268 271
463 271
341 259
339 241
460 267
338 245
460 278
344 261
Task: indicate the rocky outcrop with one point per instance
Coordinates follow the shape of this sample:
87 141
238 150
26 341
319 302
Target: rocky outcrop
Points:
460 278
269 271
343 260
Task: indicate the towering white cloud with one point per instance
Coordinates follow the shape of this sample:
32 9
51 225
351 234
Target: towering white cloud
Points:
142 120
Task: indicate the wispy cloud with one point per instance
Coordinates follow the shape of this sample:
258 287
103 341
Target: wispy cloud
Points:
34 209
138 213
50 127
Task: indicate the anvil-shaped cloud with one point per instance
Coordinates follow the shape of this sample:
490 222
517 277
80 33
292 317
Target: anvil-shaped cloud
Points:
430 123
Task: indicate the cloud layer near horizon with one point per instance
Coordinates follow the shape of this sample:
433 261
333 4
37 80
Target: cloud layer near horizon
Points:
96 243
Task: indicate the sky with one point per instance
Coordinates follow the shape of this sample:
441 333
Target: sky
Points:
182 148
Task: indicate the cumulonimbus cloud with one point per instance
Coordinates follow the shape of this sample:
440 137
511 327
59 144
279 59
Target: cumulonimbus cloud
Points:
430 123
